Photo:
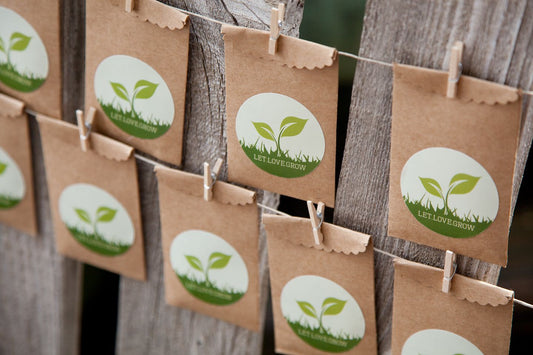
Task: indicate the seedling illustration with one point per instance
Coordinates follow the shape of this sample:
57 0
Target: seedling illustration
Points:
460 184
17 42
103 215
143 89
216 261
330 307
290 127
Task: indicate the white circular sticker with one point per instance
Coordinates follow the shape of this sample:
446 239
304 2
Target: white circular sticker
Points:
96 219
209 267
12 186
438 342
449 192
322 313
23 57
280 135
134 96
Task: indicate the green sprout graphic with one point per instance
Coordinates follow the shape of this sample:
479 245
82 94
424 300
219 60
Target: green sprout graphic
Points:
216 261
460 184
103 215
17 42
330 307
290 126
143 90
3 167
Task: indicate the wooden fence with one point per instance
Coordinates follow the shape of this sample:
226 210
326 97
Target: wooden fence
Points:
40 291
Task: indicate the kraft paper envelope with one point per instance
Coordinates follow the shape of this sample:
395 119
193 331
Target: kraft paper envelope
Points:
136 74
94 197
210 248
30 53
17 205
452 162
322 295
473 318
281 114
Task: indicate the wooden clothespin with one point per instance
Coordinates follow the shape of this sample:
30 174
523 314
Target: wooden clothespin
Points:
456 68
210 177
276 20
85 126
129 5
450 267
317 218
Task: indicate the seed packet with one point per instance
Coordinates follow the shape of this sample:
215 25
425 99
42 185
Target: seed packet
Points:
474 318
281 114
210 248
94 197
322 295
30 53
136 74
452 162
17 205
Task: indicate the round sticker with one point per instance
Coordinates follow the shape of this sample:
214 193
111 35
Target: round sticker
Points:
280 135
208 267
438 342
96 219
23 57
449 192
322 313
12 187
134 96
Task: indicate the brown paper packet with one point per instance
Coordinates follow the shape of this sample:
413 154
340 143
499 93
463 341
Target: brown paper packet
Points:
473 315
217 238
30 32
17 204
94 197
124 54
467 146
284 103
307 279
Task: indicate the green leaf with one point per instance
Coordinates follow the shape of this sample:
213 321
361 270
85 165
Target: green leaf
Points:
84 216
19 41
2 168
333 306
2 45
431 186
120 90
218 260
292 126
105 214
307 308
463 183
145 88
195 262
264 130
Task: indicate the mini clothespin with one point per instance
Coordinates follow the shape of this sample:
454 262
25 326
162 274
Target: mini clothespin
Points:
210 177
85 127
456 68
317 218
450 267
276 20
129 5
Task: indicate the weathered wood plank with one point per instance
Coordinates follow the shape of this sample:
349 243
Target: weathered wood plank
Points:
40 291
146 324
498 36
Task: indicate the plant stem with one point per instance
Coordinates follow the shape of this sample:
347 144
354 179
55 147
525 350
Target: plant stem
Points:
446 208
206 274
320 325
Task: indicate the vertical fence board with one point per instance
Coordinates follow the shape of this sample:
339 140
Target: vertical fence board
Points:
146 324
497 35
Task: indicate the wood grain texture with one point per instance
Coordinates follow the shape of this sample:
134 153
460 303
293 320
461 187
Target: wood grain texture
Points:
146 324
40 291
497 35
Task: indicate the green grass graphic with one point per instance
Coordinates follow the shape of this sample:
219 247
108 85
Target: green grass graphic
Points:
323 339
446 222
134 123
279 162
8 201
208 291
24 82
97 243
